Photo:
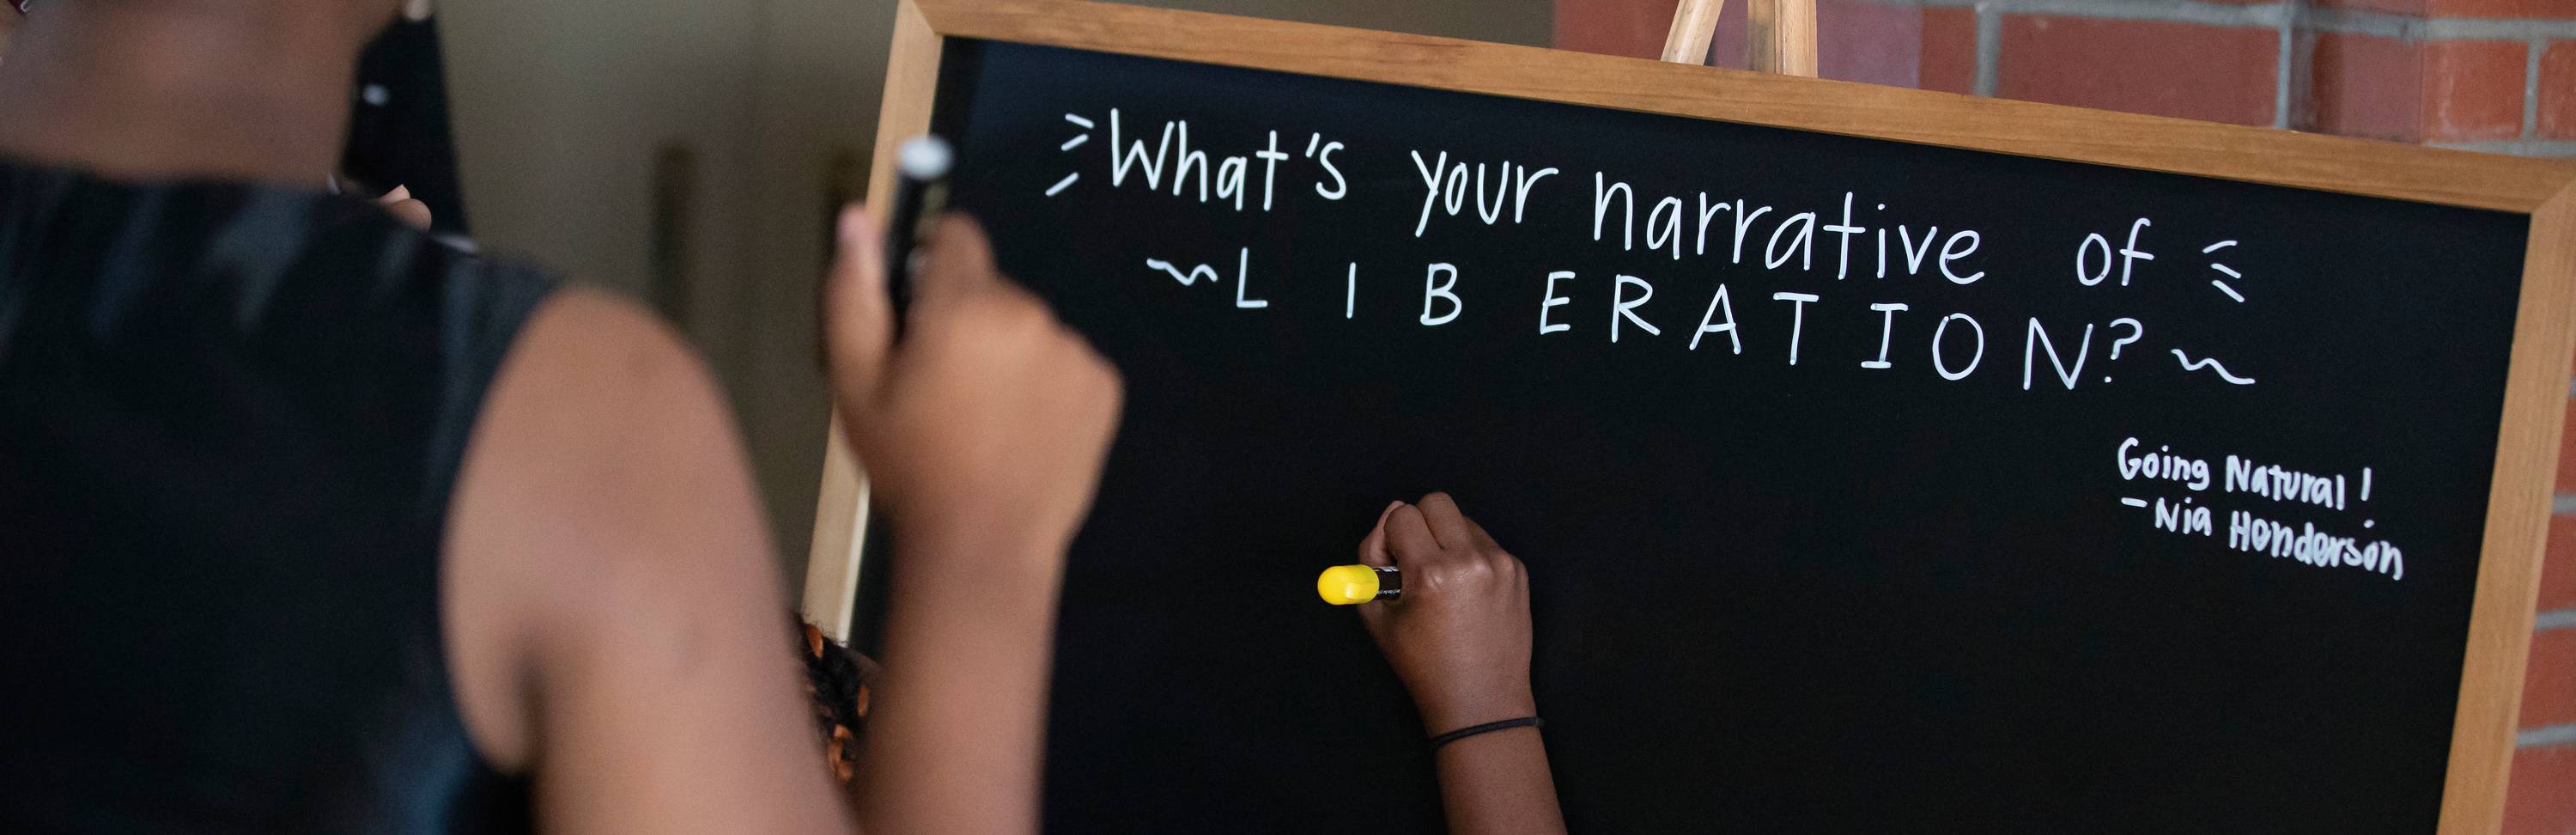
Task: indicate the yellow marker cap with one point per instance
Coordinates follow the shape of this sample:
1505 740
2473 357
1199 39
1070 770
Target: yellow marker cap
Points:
1343 585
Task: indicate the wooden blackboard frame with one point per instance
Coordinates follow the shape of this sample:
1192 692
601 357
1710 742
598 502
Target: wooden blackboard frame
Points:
2536 390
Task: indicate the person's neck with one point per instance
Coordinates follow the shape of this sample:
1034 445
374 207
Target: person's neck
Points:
177 90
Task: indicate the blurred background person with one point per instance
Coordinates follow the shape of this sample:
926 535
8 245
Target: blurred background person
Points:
317 525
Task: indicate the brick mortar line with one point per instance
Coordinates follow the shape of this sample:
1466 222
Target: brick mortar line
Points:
2516 147
2531 92
2270 15
2387 25
2563 503
1990 48
2173 11
2544 737
2554 619
2285 69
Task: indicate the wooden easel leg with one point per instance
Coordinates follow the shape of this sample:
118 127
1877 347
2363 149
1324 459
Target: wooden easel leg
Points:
1782 36
1694 25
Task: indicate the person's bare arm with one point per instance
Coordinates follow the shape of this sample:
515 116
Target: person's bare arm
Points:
1459 639
1499 783
615 619
613 616
982 431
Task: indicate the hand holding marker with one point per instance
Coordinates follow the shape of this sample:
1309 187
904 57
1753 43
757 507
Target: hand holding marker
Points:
920 194
1460 639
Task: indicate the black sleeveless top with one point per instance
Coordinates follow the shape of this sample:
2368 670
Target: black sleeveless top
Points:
231 417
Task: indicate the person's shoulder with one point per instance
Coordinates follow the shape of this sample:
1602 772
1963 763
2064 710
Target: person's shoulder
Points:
599 410
604 505
604 451
601 407
591 350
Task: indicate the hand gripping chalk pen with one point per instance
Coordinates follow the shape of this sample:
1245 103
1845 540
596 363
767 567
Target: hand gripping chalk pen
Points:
920 192
1343 585
919 195
922 164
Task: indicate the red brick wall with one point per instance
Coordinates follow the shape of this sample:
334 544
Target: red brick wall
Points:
2488 75
2492 75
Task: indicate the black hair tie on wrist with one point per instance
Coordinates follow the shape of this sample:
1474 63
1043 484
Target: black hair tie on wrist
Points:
1489 727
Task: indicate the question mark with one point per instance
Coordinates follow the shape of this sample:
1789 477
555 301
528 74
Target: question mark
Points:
2137 330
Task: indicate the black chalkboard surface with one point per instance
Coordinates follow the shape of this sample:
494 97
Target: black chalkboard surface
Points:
1864 485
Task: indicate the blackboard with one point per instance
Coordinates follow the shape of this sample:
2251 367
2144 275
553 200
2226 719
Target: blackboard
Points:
2163 503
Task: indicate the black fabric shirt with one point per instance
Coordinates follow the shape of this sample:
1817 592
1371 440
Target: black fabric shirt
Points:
231 418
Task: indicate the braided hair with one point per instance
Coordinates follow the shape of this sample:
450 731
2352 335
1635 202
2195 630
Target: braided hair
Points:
836 680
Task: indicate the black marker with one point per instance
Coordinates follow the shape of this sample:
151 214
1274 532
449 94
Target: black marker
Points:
920 193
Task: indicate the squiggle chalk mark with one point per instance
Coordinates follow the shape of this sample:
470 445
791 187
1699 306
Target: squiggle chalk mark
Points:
1190 278
2211 363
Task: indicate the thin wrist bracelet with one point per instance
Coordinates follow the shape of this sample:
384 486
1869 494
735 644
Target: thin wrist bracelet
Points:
1489 727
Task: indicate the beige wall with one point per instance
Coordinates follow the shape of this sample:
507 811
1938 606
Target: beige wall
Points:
561 106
